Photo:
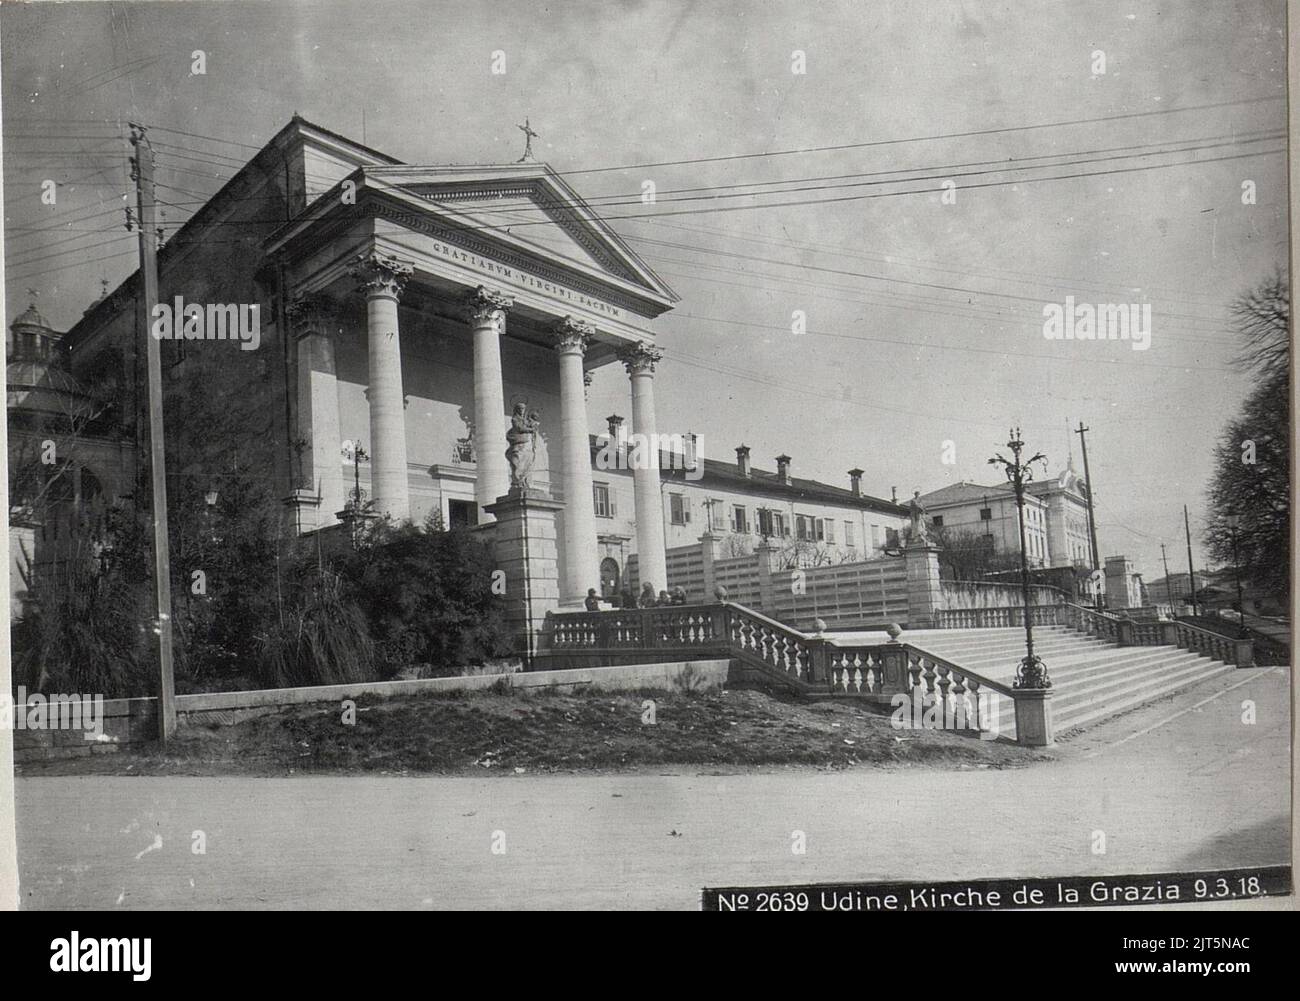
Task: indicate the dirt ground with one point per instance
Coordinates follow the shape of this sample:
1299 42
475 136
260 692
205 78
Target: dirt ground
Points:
543 731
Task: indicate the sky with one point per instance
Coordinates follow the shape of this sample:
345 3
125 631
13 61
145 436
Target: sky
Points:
923 304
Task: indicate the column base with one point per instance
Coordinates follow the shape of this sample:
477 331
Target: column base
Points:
304 510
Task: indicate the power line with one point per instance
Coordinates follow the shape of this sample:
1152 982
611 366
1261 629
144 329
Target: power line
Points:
930 138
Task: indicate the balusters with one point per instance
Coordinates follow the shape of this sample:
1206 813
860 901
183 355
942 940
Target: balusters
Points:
928 673
944 683
973 687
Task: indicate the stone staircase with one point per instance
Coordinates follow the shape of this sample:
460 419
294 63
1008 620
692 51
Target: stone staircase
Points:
1091 678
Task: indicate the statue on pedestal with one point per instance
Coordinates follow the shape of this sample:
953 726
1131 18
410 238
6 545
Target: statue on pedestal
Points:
917 532
521 452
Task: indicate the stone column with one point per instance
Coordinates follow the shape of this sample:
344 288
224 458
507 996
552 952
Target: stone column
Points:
314 320
486 313
580 564
382 281
652 562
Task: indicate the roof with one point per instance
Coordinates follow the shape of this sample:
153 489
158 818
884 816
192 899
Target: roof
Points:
723 475
30 317
112 302
961 493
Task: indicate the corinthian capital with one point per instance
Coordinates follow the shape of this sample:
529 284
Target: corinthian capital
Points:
312 313
485 306
640 358
572 335
380 275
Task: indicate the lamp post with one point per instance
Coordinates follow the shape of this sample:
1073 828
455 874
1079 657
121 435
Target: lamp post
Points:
1233 521
1032 672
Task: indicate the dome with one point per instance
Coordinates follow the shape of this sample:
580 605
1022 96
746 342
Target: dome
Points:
30 317
37 387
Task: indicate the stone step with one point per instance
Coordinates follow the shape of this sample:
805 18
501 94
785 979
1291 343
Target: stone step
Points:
1077 716
1062 669
1092 678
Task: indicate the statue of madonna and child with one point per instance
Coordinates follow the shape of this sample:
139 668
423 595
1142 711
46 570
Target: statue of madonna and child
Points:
521 450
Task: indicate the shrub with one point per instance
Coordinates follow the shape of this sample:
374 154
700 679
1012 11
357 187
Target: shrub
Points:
320 638
427 596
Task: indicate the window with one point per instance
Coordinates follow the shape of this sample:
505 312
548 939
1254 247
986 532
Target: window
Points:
739 519
848 534
826 530
679 509
715 506
779 526
986 514
937 521
876 541
462 514
803 527
604 503
771 523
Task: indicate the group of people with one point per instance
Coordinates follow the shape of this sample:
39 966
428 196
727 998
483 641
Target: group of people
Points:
647 598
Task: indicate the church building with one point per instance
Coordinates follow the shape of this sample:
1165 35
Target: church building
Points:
402 313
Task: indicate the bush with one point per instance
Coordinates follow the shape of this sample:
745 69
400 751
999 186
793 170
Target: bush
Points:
427 596
320 638
88 630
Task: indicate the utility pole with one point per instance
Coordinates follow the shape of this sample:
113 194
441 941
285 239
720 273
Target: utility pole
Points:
1191 572
1165 560
1087 477
142 173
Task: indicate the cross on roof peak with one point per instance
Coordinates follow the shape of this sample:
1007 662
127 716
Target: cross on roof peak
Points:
529 136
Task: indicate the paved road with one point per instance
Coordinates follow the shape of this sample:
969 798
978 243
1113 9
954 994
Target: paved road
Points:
1200 789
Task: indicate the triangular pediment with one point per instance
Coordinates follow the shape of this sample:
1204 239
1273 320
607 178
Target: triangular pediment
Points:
528 207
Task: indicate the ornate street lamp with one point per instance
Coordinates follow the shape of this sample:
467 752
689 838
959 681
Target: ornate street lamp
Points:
1032 672
1233 522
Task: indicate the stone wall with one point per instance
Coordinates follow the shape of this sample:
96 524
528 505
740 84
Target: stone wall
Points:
134 721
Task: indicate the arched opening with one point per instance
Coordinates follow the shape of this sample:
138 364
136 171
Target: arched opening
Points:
610 576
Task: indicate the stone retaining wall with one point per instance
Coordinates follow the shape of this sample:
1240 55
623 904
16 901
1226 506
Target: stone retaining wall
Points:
131 721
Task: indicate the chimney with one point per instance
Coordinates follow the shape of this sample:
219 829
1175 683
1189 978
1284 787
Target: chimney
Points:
615 422
691 446
783 469
855 482
742 460
893 494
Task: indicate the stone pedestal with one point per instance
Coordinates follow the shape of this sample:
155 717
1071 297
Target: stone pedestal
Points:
710 552
924 590
304 508
1034 717
524 543
895 678
770 578
22 550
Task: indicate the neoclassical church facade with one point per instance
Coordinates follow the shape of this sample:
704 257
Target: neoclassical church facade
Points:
405 312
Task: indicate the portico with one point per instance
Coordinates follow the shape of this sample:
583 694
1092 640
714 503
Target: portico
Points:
444 296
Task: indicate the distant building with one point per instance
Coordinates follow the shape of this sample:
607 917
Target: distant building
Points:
1056 518
67 459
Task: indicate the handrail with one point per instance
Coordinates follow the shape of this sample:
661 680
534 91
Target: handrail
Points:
997 686
1094 611
746 610
807 662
